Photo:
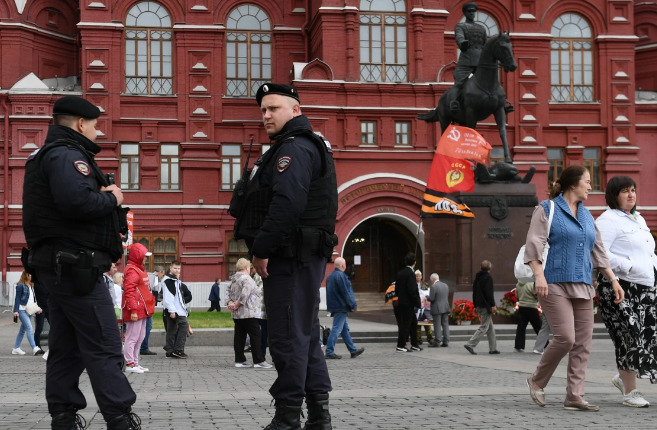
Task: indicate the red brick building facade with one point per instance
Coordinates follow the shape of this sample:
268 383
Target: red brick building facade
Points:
175 81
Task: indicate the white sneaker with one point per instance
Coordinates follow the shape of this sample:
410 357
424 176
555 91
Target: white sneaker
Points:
244 364
263 365
618 383
35 350
635 400
145 369
45 356
17 351
536 351
133 369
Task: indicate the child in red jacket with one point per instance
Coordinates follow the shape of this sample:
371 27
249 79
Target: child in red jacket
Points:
138 304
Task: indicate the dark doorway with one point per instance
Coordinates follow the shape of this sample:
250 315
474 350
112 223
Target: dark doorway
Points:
381 244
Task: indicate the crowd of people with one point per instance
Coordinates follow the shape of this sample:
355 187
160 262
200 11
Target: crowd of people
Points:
286 211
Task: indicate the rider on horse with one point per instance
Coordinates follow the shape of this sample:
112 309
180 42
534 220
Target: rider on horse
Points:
470 38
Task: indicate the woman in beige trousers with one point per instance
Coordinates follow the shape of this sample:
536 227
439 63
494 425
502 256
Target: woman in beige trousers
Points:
564 283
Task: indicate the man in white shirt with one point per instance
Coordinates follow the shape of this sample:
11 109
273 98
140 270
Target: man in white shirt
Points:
174 307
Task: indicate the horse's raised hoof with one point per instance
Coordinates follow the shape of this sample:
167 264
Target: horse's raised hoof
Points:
508 107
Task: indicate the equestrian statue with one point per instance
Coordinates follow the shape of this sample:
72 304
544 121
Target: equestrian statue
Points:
477 92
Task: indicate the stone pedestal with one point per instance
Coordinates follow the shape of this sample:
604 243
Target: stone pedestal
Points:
455 247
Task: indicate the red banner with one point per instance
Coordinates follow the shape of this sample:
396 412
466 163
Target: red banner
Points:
450 174
463 143
447 175
130 217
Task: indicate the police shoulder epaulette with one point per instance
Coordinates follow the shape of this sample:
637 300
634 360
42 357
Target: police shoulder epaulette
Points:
33 154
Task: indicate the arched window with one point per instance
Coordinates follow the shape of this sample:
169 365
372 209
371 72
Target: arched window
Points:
487 21
148 50
383 43
248 50
571 61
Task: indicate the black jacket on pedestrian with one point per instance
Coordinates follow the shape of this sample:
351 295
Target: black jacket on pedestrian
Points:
482 291
406 288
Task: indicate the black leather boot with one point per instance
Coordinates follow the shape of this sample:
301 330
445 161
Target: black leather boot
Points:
287 417
68 421
127 421
319 417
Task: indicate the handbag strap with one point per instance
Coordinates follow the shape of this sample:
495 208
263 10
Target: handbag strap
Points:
550 216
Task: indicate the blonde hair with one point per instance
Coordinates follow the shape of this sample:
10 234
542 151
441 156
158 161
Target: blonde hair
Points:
242 264
25 278
118 278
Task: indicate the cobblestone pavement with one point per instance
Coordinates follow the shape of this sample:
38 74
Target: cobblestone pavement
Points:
438 388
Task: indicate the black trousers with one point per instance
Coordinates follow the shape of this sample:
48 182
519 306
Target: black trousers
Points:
214 305
526 316
292 302
406 325
42 301
249 326
84 335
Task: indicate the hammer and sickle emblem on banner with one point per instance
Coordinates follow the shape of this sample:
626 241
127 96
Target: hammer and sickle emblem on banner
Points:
454 134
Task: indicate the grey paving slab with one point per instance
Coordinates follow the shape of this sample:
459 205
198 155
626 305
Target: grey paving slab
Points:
438 388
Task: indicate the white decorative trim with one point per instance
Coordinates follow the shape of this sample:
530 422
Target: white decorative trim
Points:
199 66
529 118
99 133
622 139
199 7
526 16
529 139
381 175
20 5
96 4
618 37
200 135
529 96
100 24
621 97
36 29
200 88
97 63
97 86
200 111
199 27
528 72
621 118
620 74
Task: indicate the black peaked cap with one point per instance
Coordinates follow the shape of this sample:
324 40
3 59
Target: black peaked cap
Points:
282 89
77 106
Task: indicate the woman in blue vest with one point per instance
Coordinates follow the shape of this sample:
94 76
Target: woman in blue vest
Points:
564 283
632 325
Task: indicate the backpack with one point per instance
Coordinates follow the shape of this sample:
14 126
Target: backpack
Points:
325 333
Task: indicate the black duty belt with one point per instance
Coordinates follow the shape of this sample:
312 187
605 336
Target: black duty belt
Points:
44 256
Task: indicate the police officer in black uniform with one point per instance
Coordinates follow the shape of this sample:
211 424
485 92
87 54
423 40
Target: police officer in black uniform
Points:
71 219
288 222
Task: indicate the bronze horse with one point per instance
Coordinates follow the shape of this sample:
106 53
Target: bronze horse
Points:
482 94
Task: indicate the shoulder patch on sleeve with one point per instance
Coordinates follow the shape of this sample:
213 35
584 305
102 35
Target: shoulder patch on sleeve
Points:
82 167
283 163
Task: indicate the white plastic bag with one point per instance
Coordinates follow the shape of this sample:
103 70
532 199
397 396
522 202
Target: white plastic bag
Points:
522 271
